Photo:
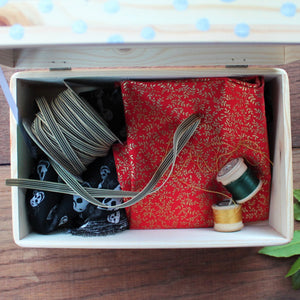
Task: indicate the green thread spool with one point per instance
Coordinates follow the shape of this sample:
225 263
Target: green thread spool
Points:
238 179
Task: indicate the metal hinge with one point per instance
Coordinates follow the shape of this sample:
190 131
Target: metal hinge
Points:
236 66
61 69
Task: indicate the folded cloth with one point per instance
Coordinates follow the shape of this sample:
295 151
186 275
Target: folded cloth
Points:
41 205
107 101
233 125
98 221
49 211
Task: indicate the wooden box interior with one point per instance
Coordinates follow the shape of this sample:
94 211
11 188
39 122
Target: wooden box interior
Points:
26 86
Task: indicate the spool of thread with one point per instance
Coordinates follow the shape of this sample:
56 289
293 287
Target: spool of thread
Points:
227 216
239 180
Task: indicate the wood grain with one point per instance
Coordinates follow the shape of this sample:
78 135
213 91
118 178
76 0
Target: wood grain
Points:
4 123
235 273
296 165
114 56
293 71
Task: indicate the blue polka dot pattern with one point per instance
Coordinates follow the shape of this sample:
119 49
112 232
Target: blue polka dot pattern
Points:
45 6
148 33
3 2
111 6
16 32
203 24
242 30
180 4
79 26
115 39
288 9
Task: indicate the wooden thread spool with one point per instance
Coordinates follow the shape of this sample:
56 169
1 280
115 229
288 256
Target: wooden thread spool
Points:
238 179
227 216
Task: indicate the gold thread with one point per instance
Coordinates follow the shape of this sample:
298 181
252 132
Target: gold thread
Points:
202 189
227 216
218 158
240 144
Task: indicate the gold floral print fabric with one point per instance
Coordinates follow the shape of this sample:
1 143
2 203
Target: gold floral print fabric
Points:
233 125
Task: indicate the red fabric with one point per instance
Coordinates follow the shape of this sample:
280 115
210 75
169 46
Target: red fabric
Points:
233 125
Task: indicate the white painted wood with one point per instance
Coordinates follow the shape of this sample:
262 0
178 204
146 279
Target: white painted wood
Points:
172 21
282 181
279 229
250 236
41 34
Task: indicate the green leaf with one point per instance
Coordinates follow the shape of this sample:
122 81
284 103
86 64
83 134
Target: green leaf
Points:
296 280
297 194
287 250
295 268
297 211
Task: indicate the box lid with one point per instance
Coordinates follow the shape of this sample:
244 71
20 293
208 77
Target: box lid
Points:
112 33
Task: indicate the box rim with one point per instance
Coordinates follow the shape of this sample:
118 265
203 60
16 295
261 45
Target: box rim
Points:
16 76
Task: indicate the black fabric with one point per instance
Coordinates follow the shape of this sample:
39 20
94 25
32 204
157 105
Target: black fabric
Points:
107 101
51 211
102 173
42 205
